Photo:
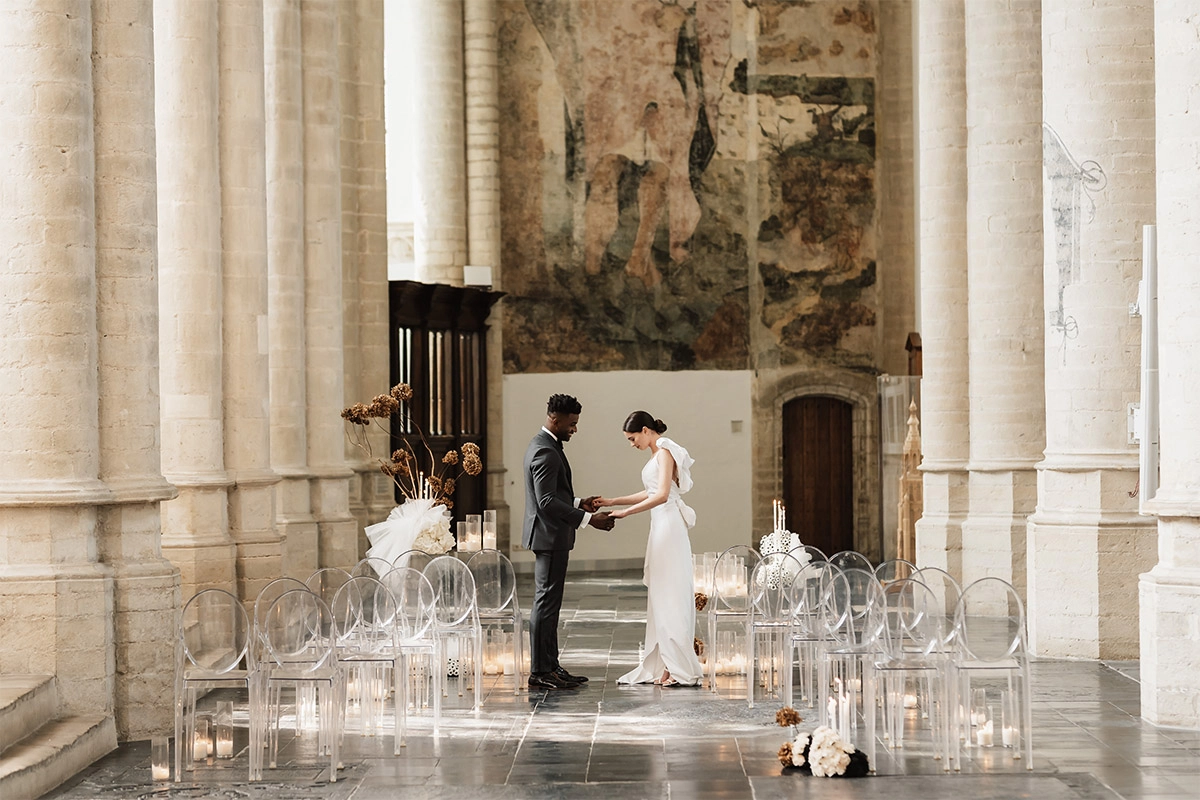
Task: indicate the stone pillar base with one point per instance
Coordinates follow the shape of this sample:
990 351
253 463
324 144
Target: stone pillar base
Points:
299 548
258 563
252 528
1170 648
337 543
993 535
58 621
146 603
203 566
337 530
1083 564
939 530
296 527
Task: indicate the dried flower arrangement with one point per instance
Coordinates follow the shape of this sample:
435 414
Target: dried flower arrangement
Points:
435 482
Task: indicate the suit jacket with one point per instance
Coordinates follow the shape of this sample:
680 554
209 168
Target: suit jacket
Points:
551 517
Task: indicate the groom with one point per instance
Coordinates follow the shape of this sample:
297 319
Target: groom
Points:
552 515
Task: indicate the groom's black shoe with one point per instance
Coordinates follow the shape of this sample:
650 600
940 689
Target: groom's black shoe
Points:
566 676
549 680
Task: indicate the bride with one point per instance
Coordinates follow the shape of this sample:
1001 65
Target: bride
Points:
670 659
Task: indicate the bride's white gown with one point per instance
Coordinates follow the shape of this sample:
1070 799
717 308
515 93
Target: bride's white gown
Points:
671 601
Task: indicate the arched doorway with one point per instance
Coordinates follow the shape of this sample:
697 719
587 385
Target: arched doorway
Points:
818 471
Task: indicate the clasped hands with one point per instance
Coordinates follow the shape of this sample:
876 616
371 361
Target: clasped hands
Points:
600 519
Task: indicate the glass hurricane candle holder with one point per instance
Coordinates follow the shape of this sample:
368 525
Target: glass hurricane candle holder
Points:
223 729
1010 727
160 758
489 529
475 531
201 739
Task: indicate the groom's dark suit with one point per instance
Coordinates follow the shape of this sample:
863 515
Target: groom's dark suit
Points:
551 520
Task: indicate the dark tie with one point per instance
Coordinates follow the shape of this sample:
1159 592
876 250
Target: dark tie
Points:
566 464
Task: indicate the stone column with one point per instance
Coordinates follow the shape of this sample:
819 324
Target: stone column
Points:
145 585
285 267
196 524
337 539
440 227
483 224
1004 283
1087 543
56 600
371 238
244 324
1170 593
897 228
364 245
945 411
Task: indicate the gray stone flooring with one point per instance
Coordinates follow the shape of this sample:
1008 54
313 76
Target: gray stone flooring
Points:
606 741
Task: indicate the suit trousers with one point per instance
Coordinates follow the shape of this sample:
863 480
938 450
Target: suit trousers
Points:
549 578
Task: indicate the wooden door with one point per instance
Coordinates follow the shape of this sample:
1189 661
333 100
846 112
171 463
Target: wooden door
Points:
818 472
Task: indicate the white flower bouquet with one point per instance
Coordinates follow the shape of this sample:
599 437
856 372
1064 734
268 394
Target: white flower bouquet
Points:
419 524
822 753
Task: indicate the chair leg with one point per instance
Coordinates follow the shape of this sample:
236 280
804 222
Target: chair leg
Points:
712 652
477 658
751 667
869 710
400 679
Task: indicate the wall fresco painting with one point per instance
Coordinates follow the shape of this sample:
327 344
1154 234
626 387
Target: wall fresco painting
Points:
633 131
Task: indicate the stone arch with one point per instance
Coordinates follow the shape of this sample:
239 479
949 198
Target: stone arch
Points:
860 392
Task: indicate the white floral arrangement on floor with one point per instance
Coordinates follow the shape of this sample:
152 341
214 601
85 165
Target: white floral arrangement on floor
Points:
822 753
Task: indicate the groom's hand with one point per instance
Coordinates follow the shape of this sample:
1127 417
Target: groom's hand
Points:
590 504
603 521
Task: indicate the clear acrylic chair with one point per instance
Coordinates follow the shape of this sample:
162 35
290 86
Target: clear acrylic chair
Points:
806 554
853 618
944 587
729 602
496 598
413 559
894 570
911 666
989 645
299 635
364 616
420 677
806 633
325 582
212 651
851 559
456 620
769 625
371 567
266 596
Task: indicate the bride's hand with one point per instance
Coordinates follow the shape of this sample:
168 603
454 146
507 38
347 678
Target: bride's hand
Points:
602 502
618 514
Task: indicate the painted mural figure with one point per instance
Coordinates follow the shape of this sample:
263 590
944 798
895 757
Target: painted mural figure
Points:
641 81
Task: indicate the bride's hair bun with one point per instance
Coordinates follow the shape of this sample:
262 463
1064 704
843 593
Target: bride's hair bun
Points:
643 419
